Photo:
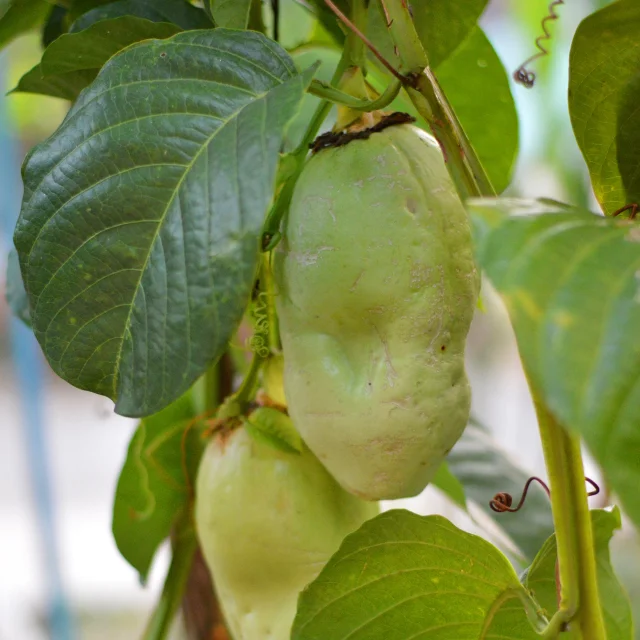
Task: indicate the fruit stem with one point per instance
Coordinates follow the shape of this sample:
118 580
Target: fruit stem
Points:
353 46
579 600
325 90
352 80
184 547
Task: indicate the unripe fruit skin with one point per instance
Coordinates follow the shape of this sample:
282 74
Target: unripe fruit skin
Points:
267 522
377 286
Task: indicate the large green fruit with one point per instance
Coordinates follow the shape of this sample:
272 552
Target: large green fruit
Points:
376 290
267 521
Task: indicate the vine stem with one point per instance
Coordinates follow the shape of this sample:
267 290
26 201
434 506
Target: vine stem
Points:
462 161
590 617
184 548
272 315
579 599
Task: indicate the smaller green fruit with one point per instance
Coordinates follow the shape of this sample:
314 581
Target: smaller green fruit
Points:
268 521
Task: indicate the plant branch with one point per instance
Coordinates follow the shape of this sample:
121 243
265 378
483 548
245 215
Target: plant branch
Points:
463 163
272 316
579 600
184 548
354 44
554 447
590 618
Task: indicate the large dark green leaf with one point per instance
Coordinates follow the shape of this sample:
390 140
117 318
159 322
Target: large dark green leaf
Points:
19 16
72 61
484 468
477 86
179 12
233 14
138 235
155 484
442 26
406 576
604 93
616 608
15 293
571 283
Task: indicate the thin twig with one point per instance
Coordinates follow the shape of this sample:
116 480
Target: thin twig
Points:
366 40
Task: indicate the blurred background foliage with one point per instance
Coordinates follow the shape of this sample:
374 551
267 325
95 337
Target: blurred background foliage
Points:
85 444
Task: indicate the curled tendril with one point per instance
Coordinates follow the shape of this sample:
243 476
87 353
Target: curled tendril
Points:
631 208
502 502
522 75
259 342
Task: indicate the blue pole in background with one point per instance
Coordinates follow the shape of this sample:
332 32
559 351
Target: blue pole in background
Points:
29 373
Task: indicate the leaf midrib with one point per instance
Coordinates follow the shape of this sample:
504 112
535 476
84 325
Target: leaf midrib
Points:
176 190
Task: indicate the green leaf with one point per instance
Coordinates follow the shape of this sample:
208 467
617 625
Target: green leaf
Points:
91 48
616 608
179 12
80 7
442 27
55 25
139 230
477 86
406 576
275 428
476 83
233 14
64 85
297 25
15 293
484 468
450 485
73 60
604 90
328 19
19 16
571 283
153 490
